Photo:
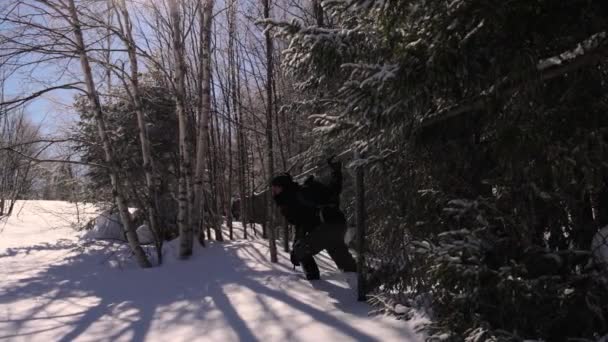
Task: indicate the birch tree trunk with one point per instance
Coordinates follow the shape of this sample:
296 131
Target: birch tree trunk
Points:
183 213
242 172
139 253
218 174
228 203
270 154
233 104
241 141
143 131
205 13
284 224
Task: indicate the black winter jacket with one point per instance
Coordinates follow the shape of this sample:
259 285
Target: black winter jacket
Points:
306 206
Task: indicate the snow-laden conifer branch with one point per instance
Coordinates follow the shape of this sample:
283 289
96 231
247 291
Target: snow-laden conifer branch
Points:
357 5
591 51
588 45
375 74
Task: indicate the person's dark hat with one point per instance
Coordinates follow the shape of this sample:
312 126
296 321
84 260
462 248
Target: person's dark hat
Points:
283 180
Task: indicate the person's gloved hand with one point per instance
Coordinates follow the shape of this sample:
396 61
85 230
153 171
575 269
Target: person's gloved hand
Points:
334 165
309 180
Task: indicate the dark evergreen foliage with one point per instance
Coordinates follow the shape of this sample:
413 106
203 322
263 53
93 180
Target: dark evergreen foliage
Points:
122 122
485 132
159 108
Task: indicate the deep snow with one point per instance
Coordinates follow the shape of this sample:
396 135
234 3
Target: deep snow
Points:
56 287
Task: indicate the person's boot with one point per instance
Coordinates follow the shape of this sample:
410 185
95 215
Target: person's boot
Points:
311 270
343 259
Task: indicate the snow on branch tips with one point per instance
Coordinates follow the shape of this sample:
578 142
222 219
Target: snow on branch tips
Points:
324 119
374 73
595 41
472 32
285 28
588 52
356 5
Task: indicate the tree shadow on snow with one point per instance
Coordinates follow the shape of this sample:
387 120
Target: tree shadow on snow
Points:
62 244
128 301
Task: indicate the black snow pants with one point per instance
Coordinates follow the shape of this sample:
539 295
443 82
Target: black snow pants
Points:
328 237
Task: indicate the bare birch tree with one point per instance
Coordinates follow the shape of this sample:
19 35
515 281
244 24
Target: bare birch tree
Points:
235 91
136 99
113 171
205 12
233 104
269 133
179 65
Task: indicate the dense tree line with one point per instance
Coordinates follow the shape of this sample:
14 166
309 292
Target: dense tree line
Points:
179 103
484 130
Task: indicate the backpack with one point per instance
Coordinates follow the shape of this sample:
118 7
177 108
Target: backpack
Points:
317 195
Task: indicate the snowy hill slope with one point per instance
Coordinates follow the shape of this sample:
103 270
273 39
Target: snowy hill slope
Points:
56 287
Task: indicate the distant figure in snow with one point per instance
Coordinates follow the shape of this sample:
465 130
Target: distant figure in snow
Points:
314 209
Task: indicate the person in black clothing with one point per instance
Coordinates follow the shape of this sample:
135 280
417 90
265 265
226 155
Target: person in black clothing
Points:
314 209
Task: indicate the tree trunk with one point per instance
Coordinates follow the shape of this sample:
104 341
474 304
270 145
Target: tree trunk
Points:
151 199
242 167
218 177
233 105
183 198
284 223
228 193
360 216
228 188
270 154
241 140
139 253
318 12
212 203
109 45
251 186
205 17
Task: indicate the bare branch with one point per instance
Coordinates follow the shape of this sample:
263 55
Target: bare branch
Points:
37 141
64 161
20 101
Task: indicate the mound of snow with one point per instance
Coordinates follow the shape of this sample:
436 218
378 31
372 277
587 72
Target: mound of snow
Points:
107 227
144 234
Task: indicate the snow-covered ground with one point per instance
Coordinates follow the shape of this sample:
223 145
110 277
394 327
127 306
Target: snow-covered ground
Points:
56 287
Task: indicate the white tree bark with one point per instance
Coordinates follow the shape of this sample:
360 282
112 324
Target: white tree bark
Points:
151 207
233 104
183 214
269 151
140 255
205 16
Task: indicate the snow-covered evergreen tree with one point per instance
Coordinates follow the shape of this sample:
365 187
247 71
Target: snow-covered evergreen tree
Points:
484 130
